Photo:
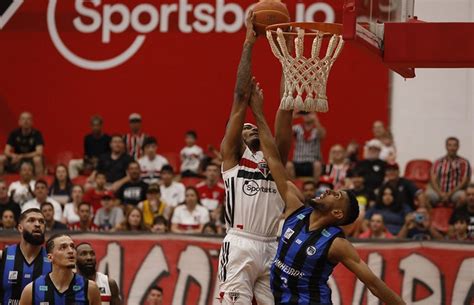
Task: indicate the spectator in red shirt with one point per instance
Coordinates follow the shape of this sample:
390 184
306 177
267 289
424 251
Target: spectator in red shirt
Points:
85 223
450 176
211 191
377 228
94 195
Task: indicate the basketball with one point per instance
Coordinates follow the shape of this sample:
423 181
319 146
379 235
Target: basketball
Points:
268 12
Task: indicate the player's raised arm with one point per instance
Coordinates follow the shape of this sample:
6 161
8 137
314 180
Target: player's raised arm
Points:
231 145
288 191
283 128
342 251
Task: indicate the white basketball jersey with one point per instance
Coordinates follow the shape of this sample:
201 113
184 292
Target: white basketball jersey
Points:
253 203
102 282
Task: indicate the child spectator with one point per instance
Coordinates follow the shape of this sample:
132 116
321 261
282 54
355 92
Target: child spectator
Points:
108 216
461 228
191 156
151 163
160 225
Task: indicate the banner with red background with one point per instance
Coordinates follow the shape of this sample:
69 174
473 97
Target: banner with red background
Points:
172 61
424 273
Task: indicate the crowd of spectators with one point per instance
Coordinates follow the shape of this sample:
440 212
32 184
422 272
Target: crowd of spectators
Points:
130 187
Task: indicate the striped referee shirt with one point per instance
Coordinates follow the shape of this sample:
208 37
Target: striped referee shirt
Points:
450 172
307 144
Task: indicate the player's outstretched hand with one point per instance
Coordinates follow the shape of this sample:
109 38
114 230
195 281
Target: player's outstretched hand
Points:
251 36
256 97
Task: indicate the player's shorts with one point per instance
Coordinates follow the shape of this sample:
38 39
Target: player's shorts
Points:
244 268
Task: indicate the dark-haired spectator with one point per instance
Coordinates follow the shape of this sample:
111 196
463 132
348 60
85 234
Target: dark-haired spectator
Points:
151 162
48 212
376 228
209 228
133 222
41 196
406 190
61 188
337 167
70 213
172 192
378 130
154 296
449 176
93 196
364 196
135 138
391 208
114 164
21 191
24 144
461 228
189 217
191 156
372 167
153 206
85 223
108 216
8 220
160 225
465 210
307 155
134 190
309 190
211 191
6 203
352 153
418 226
96 144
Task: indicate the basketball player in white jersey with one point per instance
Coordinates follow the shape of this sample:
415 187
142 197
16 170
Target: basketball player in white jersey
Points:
253 206
86 266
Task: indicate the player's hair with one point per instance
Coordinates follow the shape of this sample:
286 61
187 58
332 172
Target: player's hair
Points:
50 241
352 210
27 212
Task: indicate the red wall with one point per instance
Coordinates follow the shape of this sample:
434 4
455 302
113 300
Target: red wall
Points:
176 80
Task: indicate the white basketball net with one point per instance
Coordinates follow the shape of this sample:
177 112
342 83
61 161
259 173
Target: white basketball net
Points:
305 76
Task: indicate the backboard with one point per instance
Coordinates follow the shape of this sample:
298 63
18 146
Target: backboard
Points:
390 30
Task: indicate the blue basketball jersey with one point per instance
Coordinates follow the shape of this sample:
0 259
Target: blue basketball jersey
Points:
301 268
16 273
44 292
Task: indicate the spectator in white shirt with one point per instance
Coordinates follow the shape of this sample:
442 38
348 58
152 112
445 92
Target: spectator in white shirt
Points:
151 163
172 192
41 196
22 190
70 214
191 156
191 216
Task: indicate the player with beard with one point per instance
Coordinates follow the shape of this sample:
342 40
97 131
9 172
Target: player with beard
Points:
61 286
312 243
24 262
86 266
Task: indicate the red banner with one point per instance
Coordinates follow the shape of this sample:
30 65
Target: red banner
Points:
424 273
172 61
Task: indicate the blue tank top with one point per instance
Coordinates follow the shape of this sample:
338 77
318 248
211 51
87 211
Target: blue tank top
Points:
44 292
301 268
16 273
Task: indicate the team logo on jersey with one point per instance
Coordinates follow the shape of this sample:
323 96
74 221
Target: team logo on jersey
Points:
27 276
325 233
263 168
251 188
102 290
234 296
288 233
43 288
301 216
311 250
13 275
44 303
10 257
76 288
298 241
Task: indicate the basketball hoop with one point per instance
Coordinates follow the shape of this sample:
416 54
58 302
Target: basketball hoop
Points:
305 77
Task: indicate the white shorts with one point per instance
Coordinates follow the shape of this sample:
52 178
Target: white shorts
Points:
244 268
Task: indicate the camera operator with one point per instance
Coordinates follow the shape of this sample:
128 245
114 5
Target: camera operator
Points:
418 226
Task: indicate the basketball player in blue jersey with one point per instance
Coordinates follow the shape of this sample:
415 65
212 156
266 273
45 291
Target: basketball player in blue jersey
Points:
24 262
253 206
312 243
61 286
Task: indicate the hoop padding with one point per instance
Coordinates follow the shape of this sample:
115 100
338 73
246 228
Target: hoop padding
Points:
305 76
